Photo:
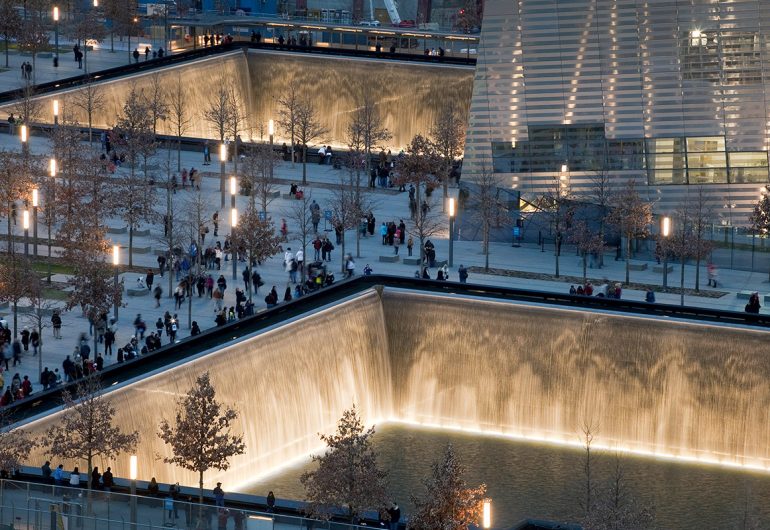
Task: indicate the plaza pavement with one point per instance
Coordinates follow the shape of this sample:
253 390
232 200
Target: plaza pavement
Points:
389 206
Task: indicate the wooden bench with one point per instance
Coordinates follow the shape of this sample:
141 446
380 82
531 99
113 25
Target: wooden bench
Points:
659 268
137 292
390 259
637 266
411 261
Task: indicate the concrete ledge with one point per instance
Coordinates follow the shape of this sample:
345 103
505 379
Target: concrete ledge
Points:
27 310
274 195
287 197
441 263
4 305
637 266
411 261
659 268
389 259
113 230
44 55
137 292
142 233
744 295
142 250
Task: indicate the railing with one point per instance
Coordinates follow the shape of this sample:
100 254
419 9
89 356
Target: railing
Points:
49 507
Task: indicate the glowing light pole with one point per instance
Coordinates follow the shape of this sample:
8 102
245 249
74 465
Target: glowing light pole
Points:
271 132
56 36
49 209
133 465
233 253
486 514
34 221
222 161
451 229
665 231
25 217
23 134
115 263
56 112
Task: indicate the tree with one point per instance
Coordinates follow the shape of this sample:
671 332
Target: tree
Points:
256 235
89 99
487 207
235 122
257 178
39 318
586 240
178 115
159 108
17 281
219 114
201 437
28 107
173 229
632 216
362 131
346 212
34 34
555 206
348 475
10 23
298 212
288 107
85 24
15 183
366 123
600 194
15 445
759 219
449 503
448 135
419 167
85 429
469 17
701 215
589 488
308 128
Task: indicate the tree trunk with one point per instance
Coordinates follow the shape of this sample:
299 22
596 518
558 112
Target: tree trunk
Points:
15 317
6 51
200 488
628 259
112 42
304 166
697 271
90 129
681 283
342 252
585 276
179 154
486 248
130 244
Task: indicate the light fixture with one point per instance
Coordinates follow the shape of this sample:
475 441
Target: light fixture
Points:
24 133
52 167
665 226
486 514
116 261
34 197
270 127
96 3
56 107
451 206
133 465
234 217
25 217
223 153
55 14
232 185
564 168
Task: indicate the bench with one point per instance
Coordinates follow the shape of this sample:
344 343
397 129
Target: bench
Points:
744 295
113 230
142 233
274 194
659 268
137 292
637 266
390 259
142 250
411 261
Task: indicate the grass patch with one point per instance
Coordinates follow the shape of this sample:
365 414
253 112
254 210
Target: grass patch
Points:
56 267
55 294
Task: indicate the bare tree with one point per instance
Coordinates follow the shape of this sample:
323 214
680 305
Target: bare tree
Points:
426 224
600 195
85 24
448 135
419 167
301 217
257 176
85 430
15 445
28 107
156 102
308 128
219 110
366 122
554 204
449 503
179 115
288 109
34 34
701 215
174 229
10 23
39 317
201 437
345 210
348 474
632 216
256 235
360 131
17 281
89 99
586 240
487 207
15 183
235 122
588 431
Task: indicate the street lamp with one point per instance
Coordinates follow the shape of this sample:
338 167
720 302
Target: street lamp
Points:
56 36
49 212
56 112
486 514
451 229
132 475
271 132
233 185
115 263
34 221
24 137
131 29
222 160
665 231
25 217
233 252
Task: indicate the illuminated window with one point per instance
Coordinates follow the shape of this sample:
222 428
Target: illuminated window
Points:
706 144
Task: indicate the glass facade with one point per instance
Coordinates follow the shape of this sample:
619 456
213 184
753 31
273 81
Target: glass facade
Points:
663 91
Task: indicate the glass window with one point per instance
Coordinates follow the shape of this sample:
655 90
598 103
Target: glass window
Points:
706 143
748 175
667 161
665 145
666 176
706 160
707 176
747 159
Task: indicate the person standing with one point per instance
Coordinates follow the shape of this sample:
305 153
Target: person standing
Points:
149 279
107 480
219 495
206 153
462 273
395 516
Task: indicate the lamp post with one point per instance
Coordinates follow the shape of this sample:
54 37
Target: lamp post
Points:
34 221
115 263
233 253
25 217
56 36
665 231
23 134
56 112
222 161
486 514
271 132
451 229
49 212
130 29
132 475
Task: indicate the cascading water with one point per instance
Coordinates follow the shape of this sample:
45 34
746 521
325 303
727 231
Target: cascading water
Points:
648 385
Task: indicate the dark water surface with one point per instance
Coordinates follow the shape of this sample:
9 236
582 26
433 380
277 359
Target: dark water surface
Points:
530 479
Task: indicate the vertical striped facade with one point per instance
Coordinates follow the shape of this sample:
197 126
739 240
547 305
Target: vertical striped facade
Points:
674 94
